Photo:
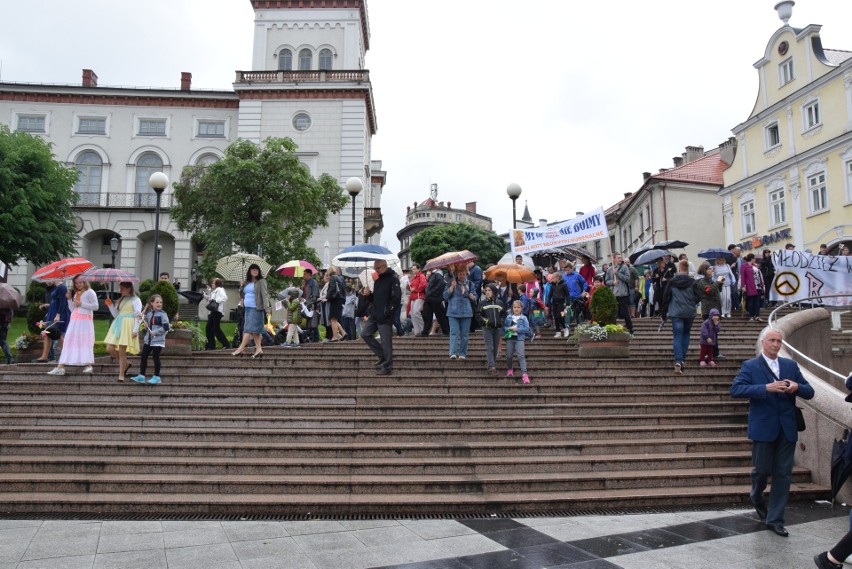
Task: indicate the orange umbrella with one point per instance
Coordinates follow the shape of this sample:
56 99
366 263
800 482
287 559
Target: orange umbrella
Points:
510 272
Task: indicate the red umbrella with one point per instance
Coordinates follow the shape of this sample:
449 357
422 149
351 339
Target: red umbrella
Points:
450 259
62 269
108 276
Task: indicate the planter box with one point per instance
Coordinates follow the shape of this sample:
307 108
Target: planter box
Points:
30 354
615 346
178 343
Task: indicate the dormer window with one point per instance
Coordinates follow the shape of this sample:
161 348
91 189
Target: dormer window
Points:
325 57
285 60
785 71
305 57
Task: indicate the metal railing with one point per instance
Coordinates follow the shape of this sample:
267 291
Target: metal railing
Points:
316 76
811 302
146 200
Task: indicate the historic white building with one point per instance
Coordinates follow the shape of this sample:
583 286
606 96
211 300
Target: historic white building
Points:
307 82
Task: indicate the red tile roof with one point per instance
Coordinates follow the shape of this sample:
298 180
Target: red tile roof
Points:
707 170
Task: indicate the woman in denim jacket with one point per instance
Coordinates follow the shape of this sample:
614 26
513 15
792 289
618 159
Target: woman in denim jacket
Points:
459 296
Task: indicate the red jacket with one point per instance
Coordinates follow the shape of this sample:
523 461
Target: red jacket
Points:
417 285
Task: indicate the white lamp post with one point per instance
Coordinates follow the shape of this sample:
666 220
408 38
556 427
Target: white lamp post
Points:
354 187
158 182
514 191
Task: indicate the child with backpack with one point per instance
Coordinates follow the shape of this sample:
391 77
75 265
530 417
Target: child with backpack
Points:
157 326
516 329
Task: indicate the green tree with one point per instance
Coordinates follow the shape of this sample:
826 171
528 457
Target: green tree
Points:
255 196
36 196
440 239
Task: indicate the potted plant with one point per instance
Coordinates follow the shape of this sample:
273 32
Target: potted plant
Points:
183 337
603 338
28 347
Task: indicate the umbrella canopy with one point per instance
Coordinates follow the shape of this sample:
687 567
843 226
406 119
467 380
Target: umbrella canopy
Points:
714 253
510 272
509 259
351 264
10 297
652 255
841 464
295 268
108 276
62 269
450 259
234 267
363 253
192 296
638 253
671 244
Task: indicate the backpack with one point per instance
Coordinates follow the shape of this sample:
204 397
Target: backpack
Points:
333 290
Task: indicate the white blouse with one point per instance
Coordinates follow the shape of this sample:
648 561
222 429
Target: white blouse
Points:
88 302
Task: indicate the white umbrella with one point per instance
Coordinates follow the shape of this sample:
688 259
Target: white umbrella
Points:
234 267
526 260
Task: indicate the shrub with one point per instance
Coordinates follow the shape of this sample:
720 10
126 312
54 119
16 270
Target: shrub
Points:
145 286
171 305
604 307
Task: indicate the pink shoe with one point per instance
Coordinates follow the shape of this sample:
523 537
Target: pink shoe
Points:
510 372
712 364
703 363
525 379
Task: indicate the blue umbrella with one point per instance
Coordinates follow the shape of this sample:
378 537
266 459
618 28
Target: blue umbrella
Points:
365 253
714 253
652 255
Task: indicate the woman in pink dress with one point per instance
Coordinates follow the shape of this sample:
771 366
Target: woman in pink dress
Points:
78 348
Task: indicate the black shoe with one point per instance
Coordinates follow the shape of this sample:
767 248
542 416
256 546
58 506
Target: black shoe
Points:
778 529
761 510
823 562
379 363
384 371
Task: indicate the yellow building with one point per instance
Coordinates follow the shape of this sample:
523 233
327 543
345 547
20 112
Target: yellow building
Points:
791 179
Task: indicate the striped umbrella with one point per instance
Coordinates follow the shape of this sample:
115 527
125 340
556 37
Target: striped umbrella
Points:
234 267
449 259
108 275
62 269
295 268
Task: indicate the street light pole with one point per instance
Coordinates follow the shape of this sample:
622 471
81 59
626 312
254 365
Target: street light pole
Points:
113 246
514 191
158 182
354 187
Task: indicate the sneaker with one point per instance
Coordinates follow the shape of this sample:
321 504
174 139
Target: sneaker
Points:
712 364
57 371
558 335
566 332
138 378
453 356
721 357
823 562
525 379
462 357
88 369
678 369
510 372
154 380
703 363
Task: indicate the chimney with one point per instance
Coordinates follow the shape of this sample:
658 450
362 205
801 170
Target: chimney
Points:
663 170
542 223
646 175
185 81
407 210
449 205
626 195
728 150
470 206
678 161
90 79
579 213
693 153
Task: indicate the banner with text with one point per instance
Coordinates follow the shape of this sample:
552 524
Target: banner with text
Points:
800 275
588 227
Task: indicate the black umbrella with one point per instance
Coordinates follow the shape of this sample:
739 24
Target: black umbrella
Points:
714 253
841 463
671 244
636 254
651 256
192 296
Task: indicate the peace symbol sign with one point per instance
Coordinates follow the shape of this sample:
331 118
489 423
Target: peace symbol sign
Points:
787 283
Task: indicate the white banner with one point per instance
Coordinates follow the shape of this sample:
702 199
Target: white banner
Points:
588 227
800 275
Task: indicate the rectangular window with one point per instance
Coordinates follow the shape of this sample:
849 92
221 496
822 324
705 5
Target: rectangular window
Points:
773 137
31 123
623 238
785 71
152 127
777 208
648 216
92 126
811 115
849 181
748 221
598 249
817 195
211 129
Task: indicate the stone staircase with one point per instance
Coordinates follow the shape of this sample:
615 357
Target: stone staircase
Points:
314 431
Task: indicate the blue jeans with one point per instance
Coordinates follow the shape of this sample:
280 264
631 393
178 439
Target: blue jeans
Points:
459 331
681 328
735 299
773 459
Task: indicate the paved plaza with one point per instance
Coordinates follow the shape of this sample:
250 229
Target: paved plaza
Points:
729 539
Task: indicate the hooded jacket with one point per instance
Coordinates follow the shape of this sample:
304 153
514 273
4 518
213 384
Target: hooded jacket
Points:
682 295
491 312
710 330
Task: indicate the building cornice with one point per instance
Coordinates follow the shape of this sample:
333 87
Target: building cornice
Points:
116 96
360 5
267 94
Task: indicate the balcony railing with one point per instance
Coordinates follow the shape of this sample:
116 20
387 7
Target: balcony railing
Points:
373 221
146 200
296 77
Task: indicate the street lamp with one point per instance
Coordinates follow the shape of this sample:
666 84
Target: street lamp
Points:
158 182
514 191
113 246
354 187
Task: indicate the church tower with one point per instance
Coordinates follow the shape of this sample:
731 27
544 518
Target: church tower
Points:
308 83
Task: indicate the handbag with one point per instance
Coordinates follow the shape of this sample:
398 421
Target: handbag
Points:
800 420
212 306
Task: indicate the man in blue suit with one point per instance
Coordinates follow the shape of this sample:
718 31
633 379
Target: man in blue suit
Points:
771 384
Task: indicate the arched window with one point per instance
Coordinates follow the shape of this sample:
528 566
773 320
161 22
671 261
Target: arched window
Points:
207 159
305 57
325 58
90 166
285 60
146 165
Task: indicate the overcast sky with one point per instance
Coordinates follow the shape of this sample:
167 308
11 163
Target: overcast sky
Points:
571 100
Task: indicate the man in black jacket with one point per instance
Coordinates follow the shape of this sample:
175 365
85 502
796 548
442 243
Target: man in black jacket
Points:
385 298
434 304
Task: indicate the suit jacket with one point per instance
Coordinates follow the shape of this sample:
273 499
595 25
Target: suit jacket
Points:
770 414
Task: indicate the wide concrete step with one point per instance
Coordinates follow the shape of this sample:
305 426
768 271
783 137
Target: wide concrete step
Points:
348 503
